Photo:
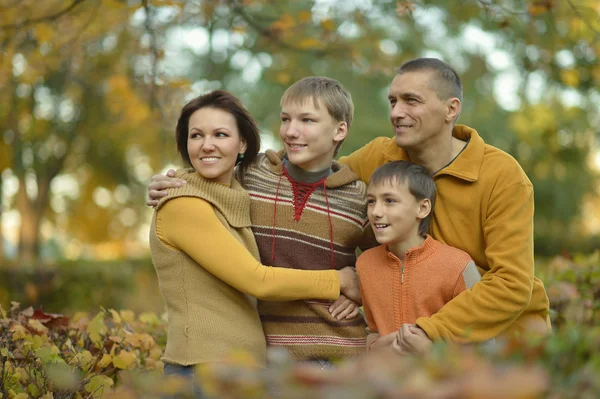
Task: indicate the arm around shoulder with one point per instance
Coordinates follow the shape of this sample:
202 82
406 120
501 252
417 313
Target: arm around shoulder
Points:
190 225
504 292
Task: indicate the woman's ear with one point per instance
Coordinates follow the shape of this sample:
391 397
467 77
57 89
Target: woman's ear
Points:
424 208
243 146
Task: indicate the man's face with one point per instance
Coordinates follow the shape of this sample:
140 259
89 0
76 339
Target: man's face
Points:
417 114
309 134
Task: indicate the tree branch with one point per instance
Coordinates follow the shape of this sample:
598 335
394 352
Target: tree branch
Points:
580 16
238 10
46 18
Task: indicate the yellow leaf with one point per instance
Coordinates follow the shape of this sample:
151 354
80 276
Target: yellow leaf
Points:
99 385
21 375
96 328
37 326
18 332
124 360
283 78
149 318
155 353
128 316
328 25
284 23
115 316
309 43
570 77
82 360
105 361
304 16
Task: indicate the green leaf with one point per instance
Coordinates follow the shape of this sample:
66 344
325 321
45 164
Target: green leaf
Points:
99 385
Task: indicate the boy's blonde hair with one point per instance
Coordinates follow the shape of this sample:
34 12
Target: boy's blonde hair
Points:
333 94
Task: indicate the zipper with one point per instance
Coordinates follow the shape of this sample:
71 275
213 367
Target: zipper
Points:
402 275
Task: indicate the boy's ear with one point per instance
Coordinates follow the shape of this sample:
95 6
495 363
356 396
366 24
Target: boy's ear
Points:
341 131
424 208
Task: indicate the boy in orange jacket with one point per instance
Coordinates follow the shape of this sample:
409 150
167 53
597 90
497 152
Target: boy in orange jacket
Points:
410 275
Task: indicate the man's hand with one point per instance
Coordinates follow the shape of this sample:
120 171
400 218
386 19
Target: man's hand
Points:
349 285
411 339
344 308
158 185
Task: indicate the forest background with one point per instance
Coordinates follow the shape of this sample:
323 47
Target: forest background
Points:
89 94
90 91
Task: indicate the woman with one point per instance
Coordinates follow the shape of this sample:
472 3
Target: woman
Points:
203 248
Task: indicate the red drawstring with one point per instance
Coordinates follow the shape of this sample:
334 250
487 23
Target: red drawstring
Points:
275 218
330 226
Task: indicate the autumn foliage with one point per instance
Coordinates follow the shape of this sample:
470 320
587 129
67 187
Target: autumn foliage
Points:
116 354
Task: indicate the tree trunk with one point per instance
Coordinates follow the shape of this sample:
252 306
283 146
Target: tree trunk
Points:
28 248
1 229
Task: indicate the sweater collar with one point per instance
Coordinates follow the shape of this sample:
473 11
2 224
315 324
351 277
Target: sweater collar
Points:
304 176
417 254
465 166
340 176
233 202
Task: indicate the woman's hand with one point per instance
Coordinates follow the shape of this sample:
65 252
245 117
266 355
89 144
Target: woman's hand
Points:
158 185
349 285
344 308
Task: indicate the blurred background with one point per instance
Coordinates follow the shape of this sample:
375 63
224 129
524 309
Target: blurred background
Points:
90 91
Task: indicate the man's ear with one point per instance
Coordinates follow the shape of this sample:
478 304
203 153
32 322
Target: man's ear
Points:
453 107
341 131
424 208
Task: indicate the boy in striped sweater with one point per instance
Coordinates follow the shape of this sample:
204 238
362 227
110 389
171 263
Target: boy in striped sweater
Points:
410 275
309 212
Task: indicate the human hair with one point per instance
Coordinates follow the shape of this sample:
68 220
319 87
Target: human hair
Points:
447 82
223 100
418 180
333 94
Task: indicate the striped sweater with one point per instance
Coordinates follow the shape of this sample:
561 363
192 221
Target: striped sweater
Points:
322 234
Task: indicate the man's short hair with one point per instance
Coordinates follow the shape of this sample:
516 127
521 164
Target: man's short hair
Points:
333 94
447 84
418 180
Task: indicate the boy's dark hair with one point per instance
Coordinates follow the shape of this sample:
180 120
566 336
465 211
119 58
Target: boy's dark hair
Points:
447 83
336 98
225 101
418 180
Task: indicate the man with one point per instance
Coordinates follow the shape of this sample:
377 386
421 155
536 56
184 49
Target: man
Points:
484 206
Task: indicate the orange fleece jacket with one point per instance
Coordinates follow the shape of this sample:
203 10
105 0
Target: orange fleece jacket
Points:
395 292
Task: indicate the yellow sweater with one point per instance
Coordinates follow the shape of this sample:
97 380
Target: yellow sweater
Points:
205 257
484 207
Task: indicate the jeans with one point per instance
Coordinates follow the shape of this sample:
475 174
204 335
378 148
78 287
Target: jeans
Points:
187 372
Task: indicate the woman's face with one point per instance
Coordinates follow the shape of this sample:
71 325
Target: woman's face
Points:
214 143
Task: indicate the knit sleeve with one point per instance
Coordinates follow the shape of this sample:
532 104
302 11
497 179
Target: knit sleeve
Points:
504 292
190 225
467 279
372 327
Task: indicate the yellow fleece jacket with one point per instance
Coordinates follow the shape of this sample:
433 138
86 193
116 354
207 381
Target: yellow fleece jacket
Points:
485 207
